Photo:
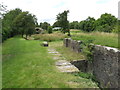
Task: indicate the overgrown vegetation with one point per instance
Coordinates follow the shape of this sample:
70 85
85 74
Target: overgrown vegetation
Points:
50 37
87 50
66 52
98 38
88 76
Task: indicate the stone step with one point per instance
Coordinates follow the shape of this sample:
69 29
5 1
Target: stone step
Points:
62 65
65 66
68 69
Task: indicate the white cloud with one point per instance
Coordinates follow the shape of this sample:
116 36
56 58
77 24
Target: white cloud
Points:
46 10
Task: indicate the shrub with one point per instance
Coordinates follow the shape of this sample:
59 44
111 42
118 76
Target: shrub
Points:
87 50
49 29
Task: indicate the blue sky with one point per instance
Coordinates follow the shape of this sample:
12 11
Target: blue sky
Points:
46 10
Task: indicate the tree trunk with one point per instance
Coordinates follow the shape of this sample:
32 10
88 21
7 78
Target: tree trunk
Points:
69 33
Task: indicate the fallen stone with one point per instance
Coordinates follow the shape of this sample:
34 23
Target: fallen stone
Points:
45 44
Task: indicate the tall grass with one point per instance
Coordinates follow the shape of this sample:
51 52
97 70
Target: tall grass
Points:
99 38
66 52
50 37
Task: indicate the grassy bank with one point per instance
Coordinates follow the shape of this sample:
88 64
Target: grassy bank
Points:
98 38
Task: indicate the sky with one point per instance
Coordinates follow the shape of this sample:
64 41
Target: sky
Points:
46 10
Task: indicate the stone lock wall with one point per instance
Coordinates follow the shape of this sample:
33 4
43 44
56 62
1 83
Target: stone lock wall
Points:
105 66
72 44
83 65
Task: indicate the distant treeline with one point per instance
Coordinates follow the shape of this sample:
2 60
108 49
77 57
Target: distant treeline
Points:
106 23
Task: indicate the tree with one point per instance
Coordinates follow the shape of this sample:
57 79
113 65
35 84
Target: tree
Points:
116 29
88 24
7 21
56 24
106 22
74 25
24 23
44 25
63 22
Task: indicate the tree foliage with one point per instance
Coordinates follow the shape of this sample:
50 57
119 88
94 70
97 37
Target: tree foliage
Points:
88 24
7 25
56 24
63 22
44 25
74 25
16 22
106 23
24 23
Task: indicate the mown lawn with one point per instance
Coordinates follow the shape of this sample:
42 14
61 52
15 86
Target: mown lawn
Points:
26 64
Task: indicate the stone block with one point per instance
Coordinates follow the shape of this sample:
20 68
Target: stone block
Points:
45 44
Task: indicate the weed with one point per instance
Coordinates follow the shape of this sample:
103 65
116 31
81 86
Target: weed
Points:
87 49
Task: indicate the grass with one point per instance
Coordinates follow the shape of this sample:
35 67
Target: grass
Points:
26 64
50 37
74 31
99 38
87 76
66 52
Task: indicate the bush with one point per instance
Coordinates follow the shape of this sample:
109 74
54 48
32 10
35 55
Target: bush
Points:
49 29
88 50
